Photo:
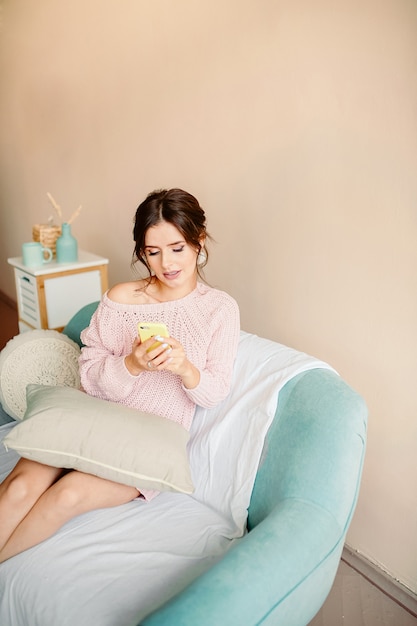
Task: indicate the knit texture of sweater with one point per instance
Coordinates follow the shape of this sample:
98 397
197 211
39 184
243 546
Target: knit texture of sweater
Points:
205 322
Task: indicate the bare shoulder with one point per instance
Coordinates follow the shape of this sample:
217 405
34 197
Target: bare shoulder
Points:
132 292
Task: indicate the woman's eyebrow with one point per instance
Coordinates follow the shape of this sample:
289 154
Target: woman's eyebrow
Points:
176 243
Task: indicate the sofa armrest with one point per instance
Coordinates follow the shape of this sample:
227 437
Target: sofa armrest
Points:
252 583
315 448
302 503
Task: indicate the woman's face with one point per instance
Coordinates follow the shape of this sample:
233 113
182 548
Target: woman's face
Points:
171 258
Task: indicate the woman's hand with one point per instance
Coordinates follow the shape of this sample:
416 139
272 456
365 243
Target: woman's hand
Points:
168 355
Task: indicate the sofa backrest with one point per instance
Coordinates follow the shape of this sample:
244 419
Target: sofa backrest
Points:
80 321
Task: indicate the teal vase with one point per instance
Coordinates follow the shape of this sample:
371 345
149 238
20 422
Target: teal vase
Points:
66 246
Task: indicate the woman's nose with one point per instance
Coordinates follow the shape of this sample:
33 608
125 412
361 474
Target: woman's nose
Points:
165 259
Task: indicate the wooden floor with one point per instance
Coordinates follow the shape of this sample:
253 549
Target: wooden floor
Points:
353 600
8 320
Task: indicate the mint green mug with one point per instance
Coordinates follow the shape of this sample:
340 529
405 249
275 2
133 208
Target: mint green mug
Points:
33 254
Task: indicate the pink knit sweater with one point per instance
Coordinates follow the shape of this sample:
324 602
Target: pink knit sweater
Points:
205 322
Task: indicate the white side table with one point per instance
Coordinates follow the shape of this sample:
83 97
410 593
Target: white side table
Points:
49 295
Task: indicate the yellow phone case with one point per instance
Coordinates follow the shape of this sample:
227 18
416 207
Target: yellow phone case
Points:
150 329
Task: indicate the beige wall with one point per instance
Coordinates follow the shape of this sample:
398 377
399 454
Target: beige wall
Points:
294 122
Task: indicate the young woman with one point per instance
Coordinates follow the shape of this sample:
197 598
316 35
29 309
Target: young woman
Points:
193 366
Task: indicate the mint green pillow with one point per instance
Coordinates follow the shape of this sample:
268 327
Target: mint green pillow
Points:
65 427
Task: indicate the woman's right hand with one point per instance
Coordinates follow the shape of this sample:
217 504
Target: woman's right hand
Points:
140 360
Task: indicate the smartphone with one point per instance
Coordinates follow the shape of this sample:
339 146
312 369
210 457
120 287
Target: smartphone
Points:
150 329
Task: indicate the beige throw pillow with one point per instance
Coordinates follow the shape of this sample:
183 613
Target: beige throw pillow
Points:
64 427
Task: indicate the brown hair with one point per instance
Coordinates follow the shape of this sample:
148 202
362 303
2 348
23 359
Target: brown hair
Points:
177 207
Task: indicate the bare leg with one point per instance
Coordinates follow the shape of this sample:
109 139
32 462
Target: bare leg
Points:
19 492
71 495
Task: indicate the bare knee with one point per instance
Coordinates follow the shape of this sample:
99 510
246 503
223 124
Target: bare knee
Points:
66 494
17 489
26 483
77 493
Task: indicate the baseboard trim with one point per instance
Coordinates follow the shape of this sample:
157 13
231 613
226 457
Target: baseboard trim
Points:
380 579
8 301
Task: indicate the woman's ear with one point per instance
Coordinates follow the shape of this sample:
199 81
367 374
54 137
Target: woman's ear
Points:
202 255
202 243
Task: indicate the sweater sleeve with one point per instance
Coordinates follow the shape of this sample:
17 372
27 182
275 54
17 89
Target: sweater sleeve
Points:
216 376
102 361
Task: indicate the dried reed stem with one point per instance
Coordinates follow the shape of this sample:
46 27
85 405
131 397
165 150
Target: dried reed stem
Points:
55 205
74 215
59 211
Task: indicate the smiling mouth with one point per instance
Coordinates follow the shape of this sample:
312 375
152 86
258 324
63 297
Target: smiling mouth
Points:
172 275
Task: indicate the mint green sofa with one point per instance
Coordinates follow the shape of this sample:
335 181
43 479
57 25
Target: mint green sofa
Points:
302 504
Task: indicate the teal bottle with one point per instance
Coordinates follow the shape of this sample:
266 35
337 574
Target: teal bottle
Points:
66 246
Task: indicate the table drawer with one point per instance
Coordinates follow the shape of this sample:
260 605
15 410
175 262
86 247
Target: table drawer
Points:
27 298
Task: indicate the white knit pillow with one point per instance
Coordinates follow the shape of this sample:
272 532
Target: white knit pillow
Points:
67 428
44 357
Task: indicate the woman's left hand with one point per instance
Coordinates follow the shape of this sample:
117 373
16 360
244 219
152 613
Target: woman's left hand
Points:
171 356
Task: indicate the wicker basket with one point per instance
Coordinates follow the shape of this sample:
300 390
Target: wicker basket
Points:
46 235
